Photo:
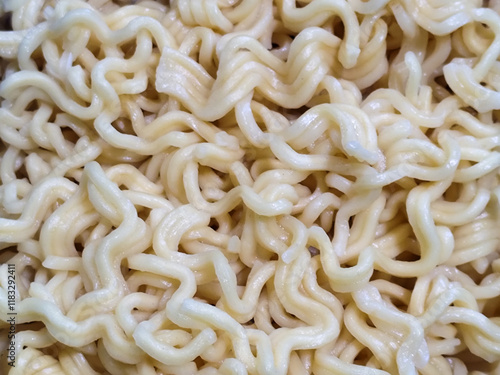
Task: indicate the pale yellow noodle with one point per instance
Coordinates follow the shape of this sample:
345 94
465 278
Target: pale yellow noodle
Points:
250 187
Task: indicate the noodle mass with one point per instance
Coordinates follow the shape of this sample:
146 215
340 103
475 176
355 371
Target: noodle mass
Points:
250 187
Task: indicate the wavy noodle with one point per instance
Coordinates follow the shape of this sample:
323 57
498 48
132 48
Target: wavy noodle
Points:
250 187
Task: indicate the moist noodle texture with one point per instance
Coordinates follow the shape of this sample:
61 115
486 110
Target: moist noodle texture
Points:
250 187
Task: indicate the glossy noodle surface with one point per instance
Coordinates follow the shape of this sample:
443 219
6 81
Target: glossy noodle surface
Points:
250 187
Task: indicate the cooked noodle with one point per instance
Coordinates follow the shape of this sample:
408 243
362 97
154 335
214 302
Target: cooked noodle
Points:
254 186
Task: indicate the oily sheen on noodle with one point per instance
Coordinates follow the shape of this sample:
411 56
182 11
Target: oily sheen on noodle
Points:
250 187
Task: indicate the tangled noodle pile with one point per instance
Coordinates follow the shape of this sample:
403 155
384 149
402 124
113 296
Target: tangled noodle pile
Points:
253 186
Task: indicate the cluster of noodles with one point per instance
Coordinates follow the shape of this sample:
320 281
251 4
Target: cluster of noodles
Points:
251 187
